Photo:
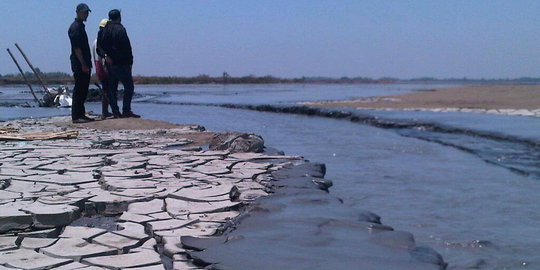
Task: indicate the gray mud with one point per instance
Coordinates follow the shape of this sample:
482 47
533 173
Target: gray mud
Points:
292 229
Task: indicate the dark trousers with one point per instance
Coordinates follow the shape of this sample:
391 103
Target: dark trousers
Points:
80 91
120 73
104 95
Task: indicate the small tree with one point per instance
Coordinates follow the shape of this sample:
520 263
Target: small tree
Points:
226 77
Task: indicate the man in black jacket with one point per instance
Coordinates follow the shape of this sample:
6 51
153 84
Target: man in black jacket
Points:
81 64
119 58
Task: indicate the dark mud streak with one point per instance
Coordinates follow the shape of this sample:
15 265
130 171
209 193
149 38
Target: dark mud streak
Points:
356 117
470 151
378 122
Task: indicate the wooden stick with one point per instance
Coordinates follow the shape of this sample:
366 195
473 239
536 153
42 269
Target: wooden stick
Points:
26 80
32 67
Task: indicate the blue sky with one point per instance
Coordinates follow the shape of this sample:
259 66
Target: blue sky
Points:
404 39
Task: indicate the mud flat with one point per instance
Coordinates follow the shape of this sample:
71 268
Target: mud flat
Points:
142 194
496 99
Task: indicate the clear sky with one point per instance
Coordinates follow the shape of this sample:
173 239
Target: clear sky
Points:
293 38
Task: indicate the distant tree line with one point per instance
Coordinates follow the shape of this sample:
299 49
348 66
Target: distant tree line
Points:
57 78
207 79
28 74
465 79
49 77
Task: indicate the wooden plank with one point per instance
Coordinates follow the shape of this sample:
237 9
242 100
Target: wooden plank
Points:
40 136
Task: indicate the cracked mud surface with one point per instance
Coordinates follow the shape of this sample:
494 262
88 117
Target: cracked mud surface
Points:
119 198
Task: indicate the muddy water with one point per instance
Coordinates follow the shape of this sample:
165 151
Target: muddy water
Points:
441 187
471 211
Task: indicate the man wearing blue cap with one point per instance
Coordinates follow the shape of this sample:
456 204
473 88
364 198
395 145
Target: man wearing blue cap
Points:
81 64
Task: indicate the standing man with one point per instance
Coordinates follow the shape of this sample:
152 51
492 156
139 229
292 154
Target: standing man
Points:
81 64
101 70
119 58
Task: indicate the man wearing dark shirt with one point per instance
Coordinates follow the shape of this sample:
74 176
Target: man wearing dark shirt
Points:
119 58
81 64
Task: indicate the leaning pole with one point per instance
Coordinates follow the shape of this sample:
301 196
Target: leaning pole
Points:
25 79
32 67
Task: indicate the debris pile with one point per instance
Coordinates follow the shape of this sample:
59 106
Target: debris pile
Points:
57 97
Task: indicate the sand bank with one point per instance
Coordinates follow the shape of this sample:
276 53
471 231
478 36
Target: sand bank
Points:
497 99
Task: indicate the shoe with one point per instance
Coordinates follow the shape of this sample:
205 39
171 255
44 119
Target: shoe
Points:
130 114
116 115
88 118
106 115
80 121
